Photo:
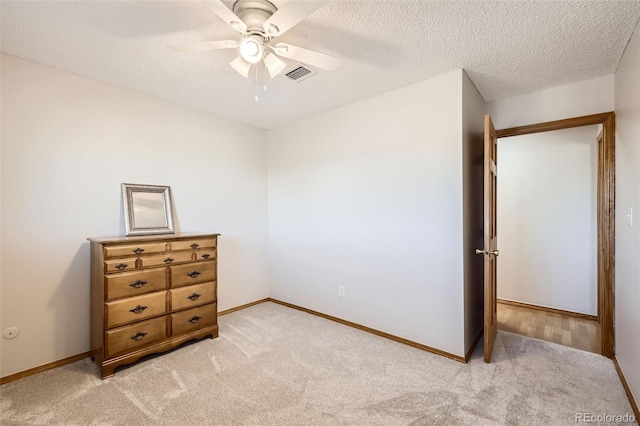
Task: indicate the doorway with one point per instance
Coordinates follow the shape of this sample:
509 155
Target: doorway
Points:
551 325
605 216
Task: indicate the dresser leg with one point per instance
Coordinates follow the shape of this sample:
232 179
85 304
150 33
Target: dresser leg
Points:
107 372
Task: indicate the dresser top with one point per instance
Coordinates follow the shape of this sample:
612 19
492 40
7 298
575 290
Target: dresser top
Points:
137 238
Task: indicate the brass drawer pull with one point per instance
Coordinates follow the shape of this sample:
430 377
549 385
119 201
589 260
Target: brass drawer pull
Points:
195 319
194 246
138 284
194 274
121 266
138 309
139 335
194 296
138 250
206 256
168 260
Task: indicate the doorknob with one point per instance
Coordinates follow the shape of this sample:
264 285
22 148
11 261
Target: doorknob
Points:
493 252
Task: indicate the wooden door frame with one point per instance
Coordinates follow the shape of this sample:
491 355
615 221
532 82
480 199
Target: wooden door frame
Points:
606 209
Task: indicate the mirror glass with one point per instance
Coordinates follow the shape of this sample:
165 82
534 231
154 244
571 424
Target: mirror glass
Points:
148 210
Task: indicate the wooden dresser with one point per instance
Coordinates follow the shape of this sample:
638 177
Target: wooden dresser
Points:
150 294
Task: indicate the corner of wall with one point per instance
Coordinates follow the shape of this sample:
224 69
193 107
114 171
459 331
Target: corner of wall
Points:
338 184
473 108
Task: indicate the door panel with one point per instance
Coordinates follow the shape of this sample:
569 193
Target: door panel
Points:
490 251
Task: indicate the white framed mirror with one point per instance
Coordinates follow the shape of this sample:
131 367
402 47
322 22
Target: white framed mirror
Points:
148 209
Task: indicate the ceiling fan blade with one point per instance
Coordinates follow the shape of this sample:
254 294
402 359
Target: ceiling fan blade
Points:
274 64
307 56
227 15
204 45
241 66
290 14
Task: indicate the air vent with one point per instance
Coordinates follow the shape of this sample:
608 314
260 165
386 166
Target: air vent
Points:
300 72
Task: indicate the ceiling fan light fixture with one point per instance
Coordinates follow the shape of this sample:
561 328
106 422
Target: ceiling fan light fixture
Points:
274 64
252 49
241 66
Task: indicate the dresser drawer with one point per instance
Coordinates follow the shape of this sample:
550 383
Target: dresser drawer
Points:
130 249
135 308
193 295
120 265
206 254
128 284
124 339
193 319
166 259
193 273
193 244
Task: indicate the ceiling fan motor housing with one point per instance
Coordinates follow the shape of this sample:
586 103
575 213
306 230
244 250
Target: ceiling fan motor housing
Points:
254 13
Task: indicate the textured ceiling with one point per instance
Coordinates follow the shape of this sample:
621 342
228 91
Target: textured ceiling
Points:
506 47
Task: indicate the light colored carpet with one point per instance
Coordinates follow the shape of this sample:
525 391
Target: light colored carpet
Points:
277 366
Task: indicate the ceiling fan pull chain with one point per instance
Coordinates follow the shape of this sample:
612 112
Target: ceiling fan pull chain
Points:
257 98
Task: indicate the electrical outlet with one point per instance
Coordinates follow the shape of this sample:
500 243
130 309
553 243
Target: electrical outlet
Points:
11 333
341 290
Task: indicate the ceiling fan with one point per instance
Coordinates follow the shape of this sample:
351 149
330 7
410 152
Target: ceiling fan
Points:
259 22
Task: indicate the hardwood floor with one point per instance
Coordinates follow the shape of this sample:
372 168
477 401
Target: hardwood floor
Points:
563 329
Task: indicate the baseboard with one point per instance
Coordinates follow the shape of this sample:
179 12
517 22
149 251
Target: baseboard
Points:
627 389
373 331
245 306
546 309
78 357
60 363
45 367
467 356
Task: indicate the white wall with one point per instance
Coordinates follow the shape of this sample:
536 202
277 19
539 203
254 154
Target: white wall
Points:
556 103
68 142
627 249
473 107
369 196
547 219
